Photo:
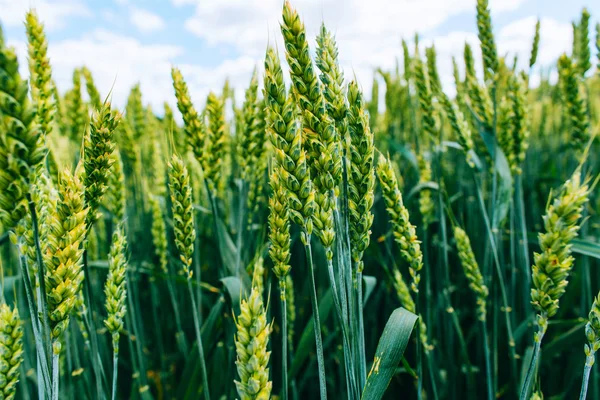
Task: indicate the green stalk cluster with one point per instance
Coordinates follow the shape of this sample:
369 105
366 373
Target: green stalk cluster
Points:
361 175
279 228
471 270
11 351
251 345
486 37
92 90
64 273
183 213
98 148
553 264
573 102
21 140
284 133
194 128
40 72
115 288
322 140
404 232
215 151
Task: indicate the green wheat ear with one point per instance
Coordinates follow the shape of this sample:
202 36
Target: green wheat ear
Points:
404 232
361 175
535 45
183 218
194 128
159 238
11 351
486 37
573 102
98 148
583 44
64 273
215 151
40 72
76 111
553 264
115 288
471 270
91 88
21 144
115 197
134 112
279 228
284 132
251 344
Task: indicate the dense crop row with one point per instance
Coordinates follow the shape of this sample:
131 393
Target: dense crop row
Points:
312 245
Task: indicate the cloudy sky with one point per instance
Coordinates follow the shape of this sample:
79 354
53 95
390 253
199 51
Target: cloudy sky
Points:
129 41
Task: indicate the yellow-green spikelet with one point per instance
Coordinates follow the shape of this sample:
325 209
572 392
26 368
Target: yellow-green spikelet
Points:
91 88
215 152
553 264
76 111
183 218
361 175
573 102
404 232
592 332
11 351
63 260
486 37
322 141
251 343
284 133
194 128
471 269
98 149
279 228
115 288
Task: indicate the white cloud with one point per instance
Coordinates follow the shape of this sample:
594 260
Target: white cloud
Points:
145 21
516 39
368 33
118 62
53 13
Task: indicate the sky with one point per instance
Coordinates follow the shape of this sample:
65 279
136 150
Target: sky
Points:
124 42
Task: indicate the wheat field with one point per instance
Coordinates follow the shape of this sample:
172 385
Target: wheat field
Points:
308 242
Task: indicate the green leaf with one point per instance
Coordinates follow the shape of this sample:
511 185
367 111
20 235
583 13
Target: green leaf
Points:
369 283
505 181
390 349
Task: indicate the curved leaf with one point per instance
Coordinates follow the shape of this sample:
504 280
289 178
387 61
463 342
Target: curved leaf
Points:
389 352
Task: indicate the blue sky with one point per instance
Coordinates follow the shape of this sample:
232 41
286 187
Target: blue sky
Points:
130 41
